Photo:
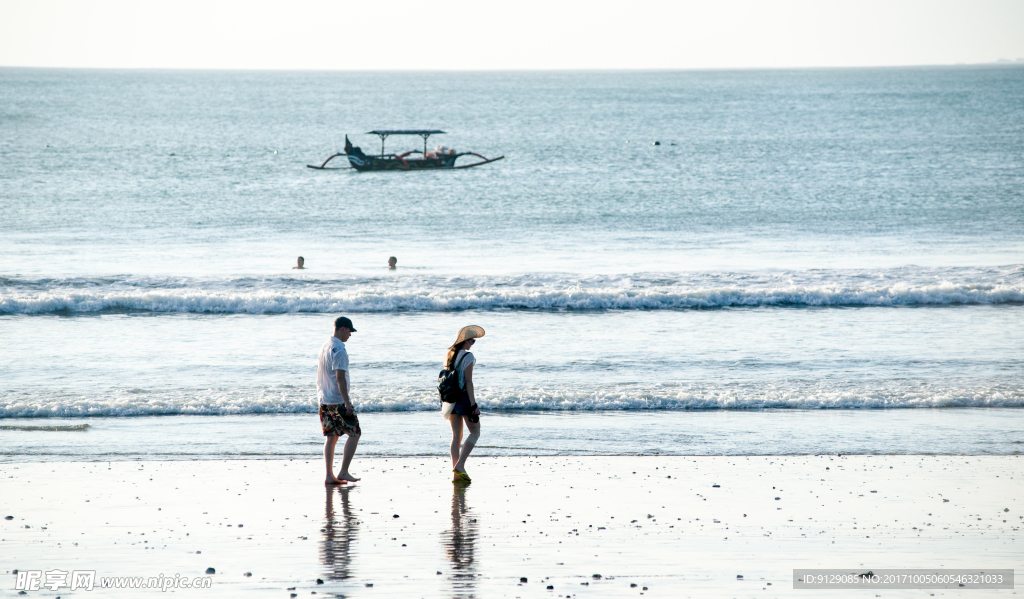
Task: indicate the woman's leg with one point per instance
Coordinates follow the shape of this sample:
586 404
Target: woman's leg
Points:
467 447
456 421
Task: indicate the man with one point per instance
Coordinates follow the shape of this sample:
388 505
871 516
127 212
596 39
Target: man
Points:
392 262
337 415
300 262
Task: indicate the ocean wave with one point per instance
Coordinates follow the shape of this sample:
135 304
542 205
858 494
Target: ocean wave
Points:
129 403
657 291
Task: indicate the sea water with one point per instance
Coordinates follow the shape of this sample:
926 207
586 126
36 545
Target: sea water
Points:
837 239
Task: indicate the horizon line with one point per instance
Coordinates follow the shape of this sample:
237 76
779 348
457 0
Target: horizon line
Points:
1003 62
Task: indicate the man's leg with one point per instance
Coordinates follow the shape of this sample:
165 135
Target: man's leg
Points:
329 442
467 447
350 450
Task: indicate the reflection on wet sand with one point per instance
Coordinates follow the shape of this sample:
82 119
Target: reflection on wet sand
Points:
338 535
460 544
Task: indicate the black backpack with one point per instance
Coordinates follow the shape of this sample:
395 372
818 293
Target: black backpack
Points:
448 383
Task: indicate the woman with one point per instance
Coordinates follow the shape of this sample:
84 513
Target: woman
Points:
465 410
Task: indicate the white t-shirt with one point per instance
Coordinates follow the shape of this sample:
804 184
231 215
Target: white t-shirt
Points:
332 357
462 366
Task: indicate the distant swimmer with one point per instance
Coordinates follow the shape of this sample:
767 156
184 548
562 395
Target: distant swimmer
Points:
458 399
337 414
392 263
300 263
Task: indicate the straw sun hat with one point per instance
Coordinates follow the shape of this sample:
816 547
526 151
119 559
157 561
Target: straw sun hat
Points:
470 332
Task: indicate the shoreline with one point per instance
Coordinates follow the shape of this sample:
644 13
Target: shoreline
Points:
652 521
947 431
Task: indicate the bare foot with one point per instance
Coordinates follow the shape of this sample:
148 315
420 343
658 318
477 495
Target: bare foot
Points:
346 477
334 481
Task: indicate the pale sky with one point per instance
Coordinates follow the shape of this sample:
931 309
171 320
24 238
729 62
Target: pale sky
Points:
524 34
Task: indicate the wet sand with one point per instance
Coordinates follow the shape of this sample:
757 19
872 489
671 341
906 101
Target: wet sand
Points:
655 522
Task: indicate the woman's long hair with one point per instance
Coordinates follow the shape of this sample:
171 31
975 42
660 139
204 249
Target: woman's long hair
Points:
453 351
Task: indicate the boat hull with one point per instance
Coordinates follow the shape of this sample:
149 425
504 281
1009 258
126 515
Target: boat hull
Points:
396 163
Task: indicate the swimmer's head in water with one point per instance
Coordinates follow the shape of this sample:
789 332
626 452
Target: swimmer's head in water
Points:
392 262
301 261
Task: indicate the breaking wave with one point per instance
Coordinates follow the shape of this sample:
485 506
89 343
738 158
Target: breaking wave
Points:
648 291
626 398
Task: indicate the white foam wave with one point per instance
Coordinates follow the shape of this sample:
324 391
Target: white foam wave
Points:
569 398
897 287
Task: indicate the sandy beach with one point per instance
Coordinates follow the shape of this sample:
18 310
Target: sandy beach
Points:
571 526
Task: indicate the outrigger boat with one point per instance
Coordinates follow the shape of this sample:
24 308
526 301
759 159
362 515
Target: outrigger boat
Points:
441 158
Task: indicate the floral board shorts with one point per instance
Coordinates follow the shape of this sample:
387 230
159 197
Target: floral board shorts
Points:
332 421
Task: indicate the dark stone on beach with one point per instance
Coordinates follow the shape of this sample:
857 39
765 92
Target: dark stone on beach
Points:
240 525
8 517
596 577
716 486
551 587
586 584
645 588
290 589
777 498
319 581
739 577
293 595
632 585
1005 509
198 551
521 579
395 516
369 584
438 572
211 570
657 143
247 574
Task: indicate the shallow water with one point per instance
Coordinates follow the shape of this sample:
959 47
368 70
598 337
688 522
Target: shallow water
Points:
955 431
749 358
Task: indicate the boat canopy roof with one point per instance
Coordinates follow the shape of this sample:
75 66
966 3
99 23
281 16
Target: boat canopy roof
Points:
386 132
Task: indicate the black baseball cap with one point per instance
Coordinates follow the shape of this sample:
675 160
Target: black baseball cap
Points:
343 321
